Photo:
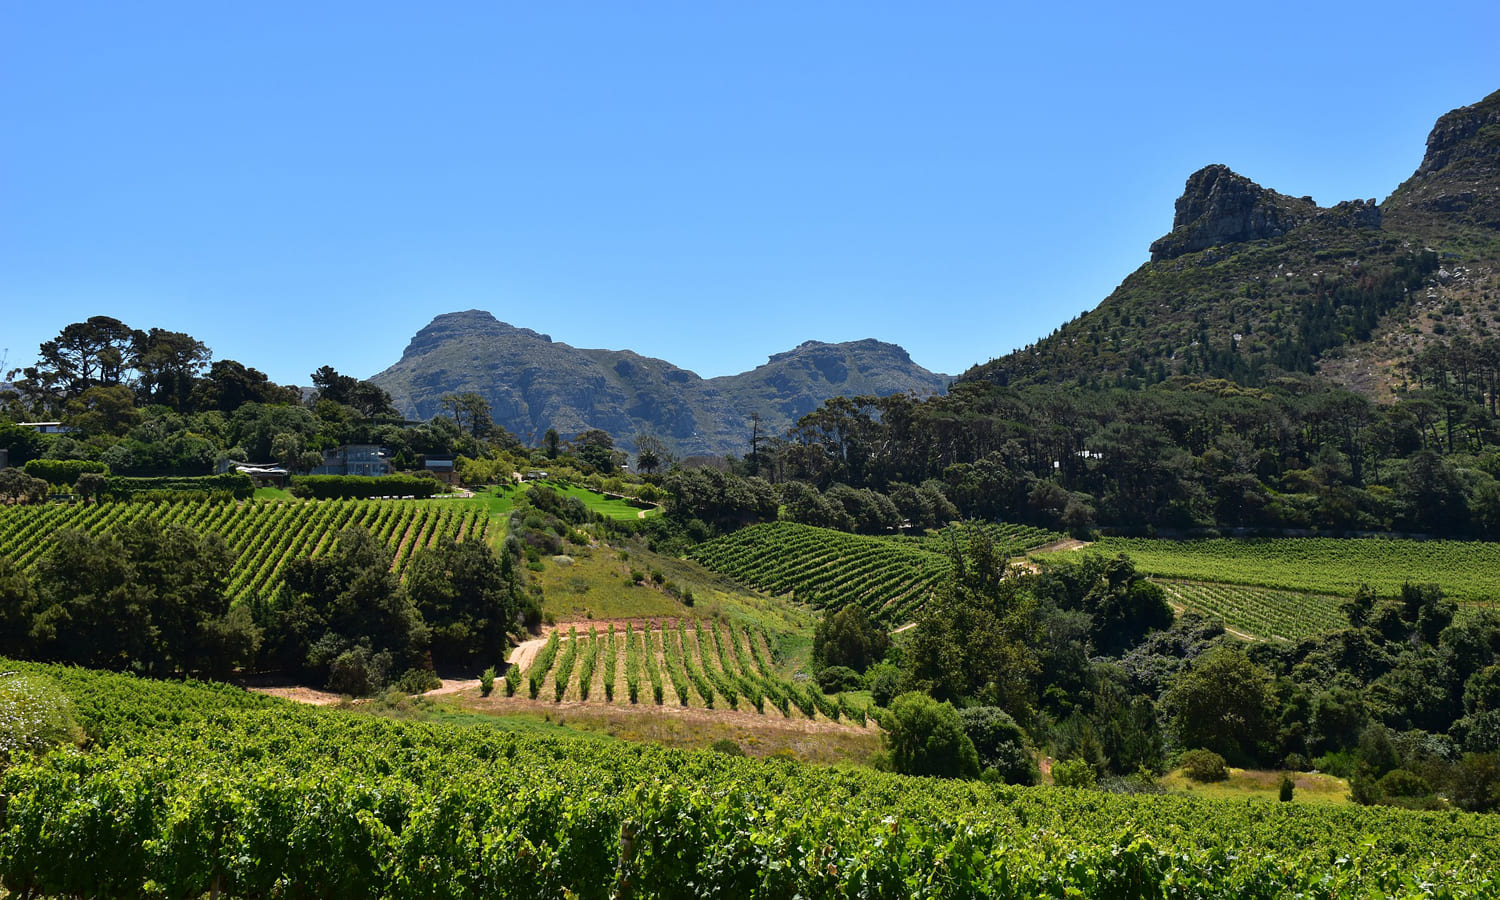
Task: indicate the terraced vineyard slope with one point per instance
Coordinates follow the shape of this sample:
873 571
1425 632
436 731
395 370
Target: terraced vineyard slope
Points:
1262 613
263 536
1467 571
889 577
692 664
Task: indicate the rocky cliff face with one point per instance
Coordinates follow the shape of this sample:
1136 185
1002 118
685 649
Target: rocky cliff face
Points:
1459 178
533 383
1220 206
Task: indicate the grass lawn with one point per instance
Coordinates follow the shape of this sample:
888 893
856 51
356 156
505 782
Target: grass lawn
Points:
609 507
1261 784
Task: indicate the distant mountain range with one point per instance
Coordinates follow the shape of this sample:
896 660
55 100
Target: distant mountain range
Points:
534 383
1251 283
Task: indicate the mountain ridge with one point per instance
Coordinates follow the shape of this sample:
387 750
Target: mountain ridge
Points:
534 383
1252 284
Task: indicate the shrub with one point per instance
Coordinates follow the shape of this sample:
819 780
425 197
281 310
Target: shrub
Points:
487 682
1000 743
1203 766
63 472
418 681
926 737
1073 773
1288 786
356 487
836 679
884 681
727 747
35 716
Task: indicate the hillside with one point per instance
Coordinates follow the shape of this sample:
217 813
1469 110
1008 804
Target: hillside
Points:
1251 283
533 383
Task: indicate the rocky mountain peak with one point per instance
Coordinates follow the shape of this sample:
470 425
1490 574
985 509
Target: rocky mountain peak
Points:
1460 174
1467 133
1221 206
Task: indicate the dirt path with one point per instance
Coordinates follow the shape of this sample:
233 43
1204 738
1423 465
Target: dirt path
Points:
1064 544
907 627
526 651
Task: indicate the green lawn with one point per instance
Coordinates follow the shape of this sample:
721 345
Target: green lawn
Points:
609 507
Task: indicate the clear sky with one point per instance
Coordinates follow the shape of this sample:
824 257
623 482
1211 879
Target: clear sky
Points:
307 184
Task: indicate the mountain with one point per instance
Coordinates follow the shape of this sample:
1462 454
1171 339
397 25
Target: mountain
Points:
534 383
1252 284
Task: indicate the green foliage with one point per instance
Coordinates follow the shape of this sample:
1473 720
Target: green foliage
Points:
848 638
1468 571
1001 745
1287 789
834 679
227 486
926 737
343 619
262 537
1203 766
487 681
63 472
352 487
253 795
469 597
1220 703
18 488
1074 773
35 716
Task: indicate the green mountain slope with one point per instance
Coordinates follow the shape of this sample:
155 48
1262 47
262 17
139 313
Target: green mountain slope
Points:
1251 283
534 383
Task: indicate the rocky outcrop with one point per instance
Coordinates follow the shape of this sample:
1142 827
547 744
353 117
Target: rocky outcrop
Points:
1220 206
1459 177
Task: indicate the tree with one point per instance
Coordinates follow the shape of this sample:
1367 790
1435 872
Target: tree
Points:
849 638
651 454
1221 703
18 488
596 449
926 737
974 638
344 618
470 412
85 354
103 410
469 598
169 363
1000 743
230 385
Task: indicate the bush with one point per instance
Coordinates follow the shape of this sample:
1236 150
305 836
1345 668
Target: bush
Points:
1203 766
1074 773
836 679
926 737
35 716
213 487
727 747
487 682
1000 744
357 487
1288 786
884 681
63 472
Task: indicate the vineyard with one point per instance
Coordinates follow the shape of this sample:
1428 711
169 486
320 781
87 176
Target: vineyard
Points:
686 663
263 536
188 799
1260 612
1468 571
890 577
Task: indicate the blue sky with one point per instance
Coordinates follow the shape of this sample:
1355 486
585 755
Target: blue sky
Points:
308 184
